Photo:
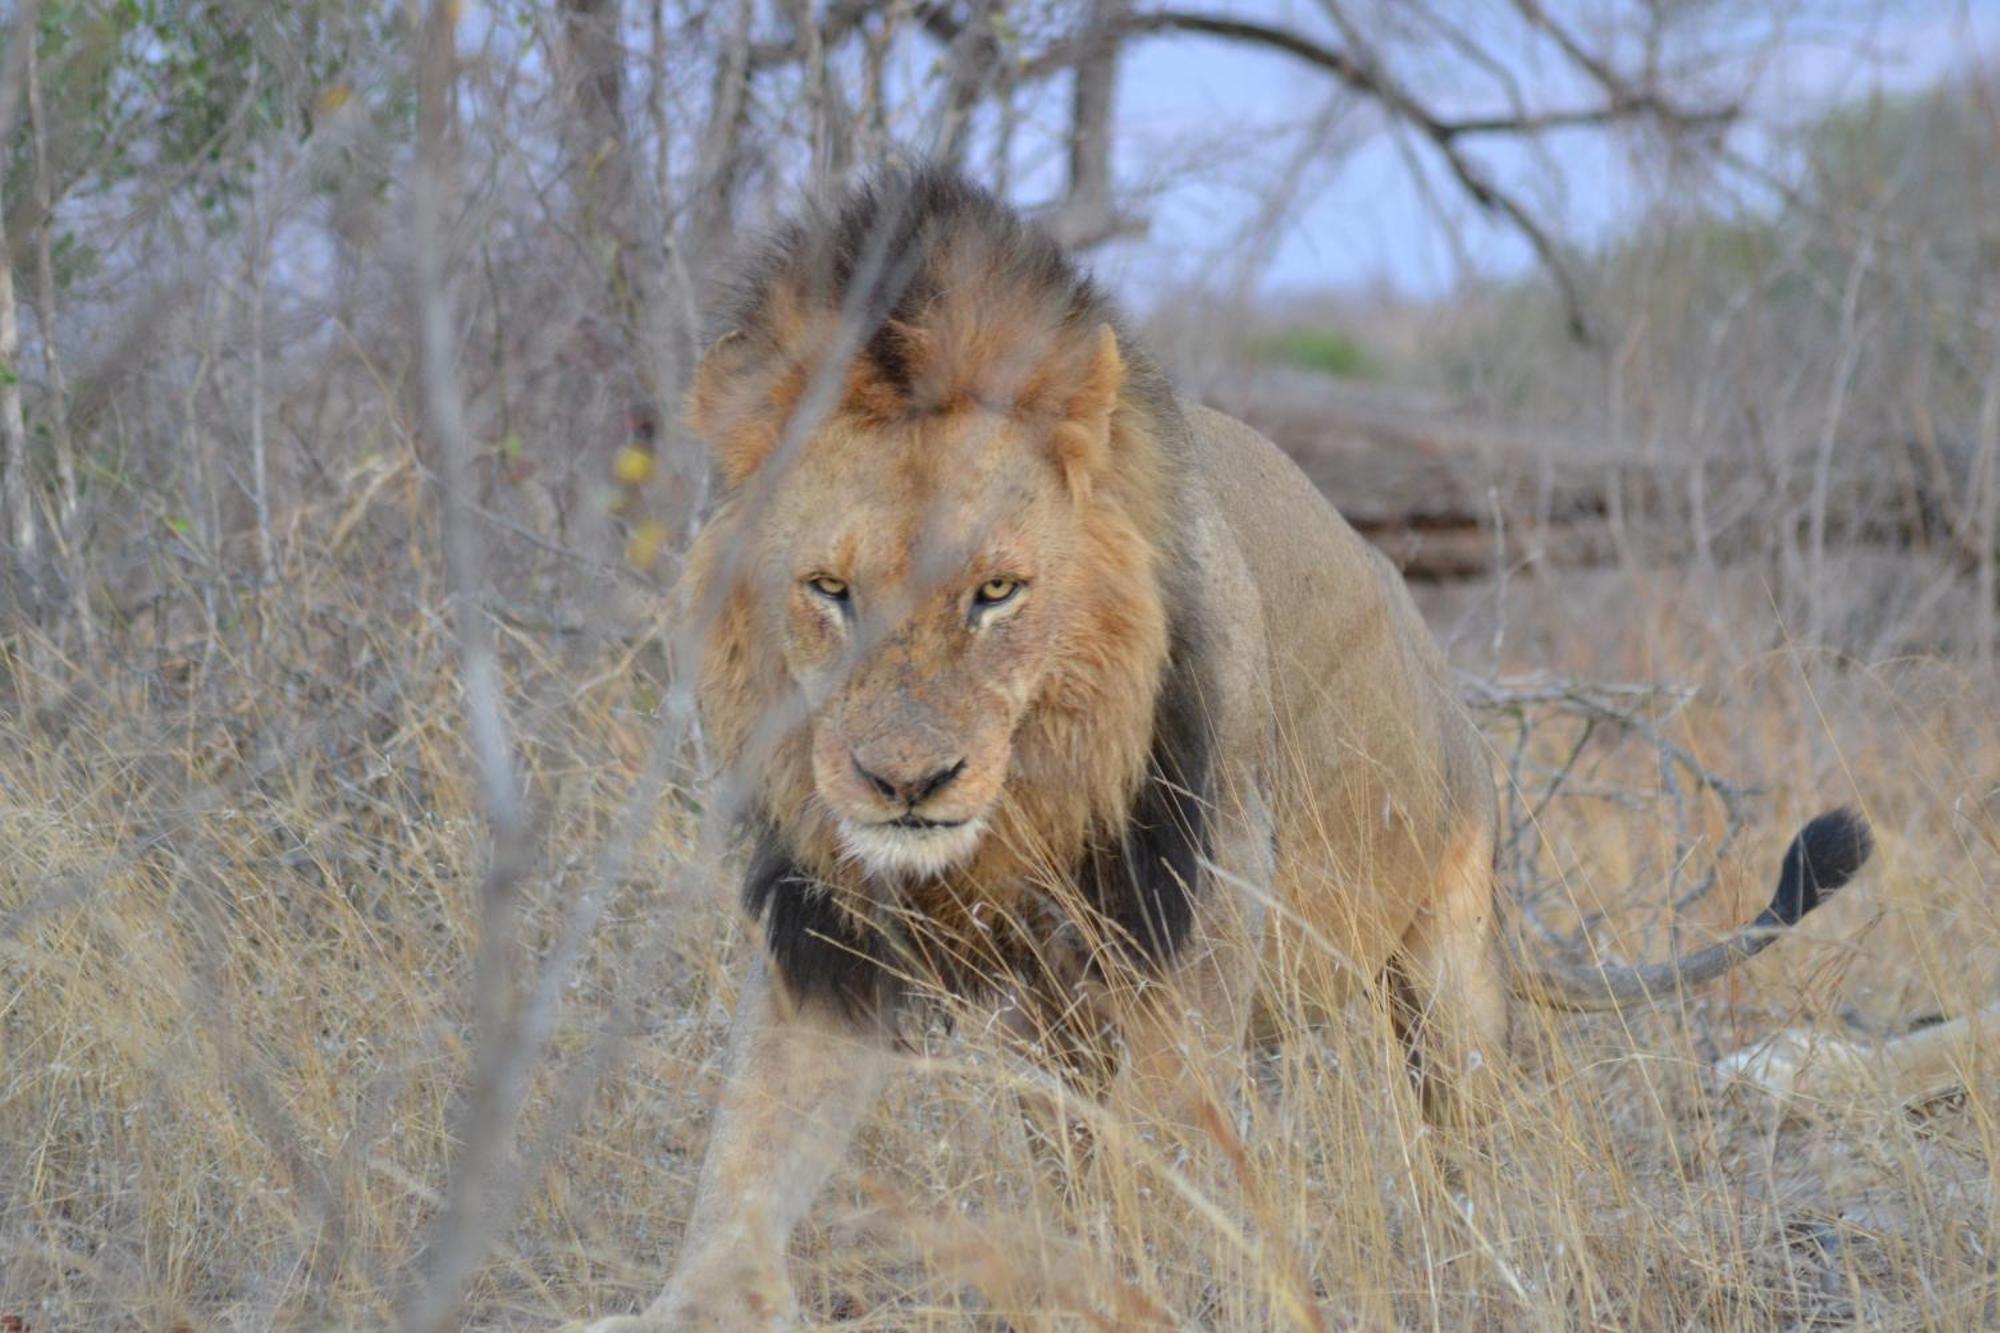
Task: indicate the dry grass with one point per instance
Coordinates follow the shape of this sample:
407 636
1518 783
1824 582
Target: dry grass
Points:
239 916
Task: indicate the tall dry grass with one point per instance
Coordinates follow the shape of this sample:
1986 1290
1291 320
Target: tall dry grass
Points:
239 884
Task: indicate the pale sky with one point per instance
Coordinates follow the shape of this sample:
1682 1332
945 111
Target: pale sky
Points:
1230 113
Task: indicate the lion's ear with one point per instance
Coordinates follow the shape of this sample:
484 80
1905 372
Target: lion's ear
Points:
728 410
1083 439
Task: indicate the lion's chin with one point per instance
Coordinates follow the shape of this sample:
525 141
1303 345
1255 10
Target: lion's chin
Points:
899 852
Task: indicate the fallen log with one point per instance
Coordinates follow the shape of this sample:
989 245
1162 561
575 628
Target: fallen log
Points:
1449 497
1442 496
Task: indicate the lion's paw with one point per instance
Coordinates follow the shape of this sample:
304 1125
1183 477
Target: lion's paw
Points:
708 1317
726 1296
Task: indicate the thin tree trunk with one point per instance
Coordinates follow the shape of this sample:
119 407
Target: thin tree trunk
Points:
656 97
970 66
677 292
203 516
1006 124
601 166
874 114
17 508
1087 212
606 167
260 492
721 162
21 527
1986 528
812 61
45 297
1849 353
67 537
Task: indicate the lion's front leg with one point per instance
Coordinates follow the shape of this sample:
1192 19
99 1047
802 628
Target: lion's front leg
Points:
1184 1034
801 1077
1170 1136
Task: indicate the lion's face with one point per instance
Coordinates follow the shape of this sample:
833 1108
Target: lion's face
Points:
921 596
964 597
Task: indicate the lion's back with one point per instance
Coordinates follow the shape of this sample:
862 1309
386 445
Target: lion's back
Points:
1369 727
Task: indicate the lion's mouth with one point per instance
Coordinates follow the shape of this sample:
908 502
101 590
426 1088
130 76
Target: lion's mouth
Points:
916 821
911 846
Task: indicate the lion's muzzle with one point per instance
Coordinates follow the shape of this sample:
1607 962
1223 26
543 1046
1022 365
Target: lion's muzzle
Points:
910 803
905 783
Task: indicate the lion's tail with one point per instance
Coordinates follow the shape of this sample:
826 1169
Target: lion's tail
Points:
1825 855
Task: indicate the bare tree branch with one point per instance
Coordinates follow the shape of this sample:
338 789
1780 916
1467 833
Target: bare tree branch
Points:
485 1120
1359 70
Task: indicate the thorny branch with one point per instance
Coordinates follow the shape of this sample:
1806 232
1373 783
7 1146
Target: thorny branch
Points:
1592 709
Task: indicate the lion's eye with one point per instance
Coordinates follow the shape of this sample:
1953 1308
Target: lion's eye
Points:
995 591
829 587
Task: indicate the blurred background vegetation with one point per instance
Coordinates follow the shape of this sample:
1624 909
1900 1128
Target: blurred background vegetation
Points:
1658 343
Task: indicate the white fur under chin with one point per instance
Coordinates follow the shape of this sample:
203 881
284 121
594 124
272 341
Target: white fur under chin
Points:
909 853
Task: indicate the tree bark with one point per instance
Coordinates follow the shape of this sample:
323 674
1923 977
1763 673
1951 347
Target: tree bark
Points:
721 164
970 63
601 167
22 529
16 490
1088 212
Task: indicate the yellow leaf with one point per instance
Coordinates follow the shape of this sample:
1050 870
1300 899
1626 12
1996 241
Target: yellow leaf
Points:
632 465
644 547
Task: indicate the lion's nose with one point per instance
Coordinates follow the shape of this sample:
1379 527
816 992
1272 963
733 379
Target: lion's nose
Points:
906 789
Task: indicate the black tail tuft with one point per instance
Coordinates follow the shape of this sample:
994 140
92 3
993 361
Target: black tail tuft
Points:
1825 855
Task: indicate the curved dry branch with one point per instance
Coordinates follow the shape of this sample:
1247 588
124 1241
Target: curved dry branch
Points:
1352 63
1636 710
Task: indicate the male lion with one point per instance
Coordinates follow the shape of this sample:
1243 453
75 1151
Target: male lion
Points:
1046 683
